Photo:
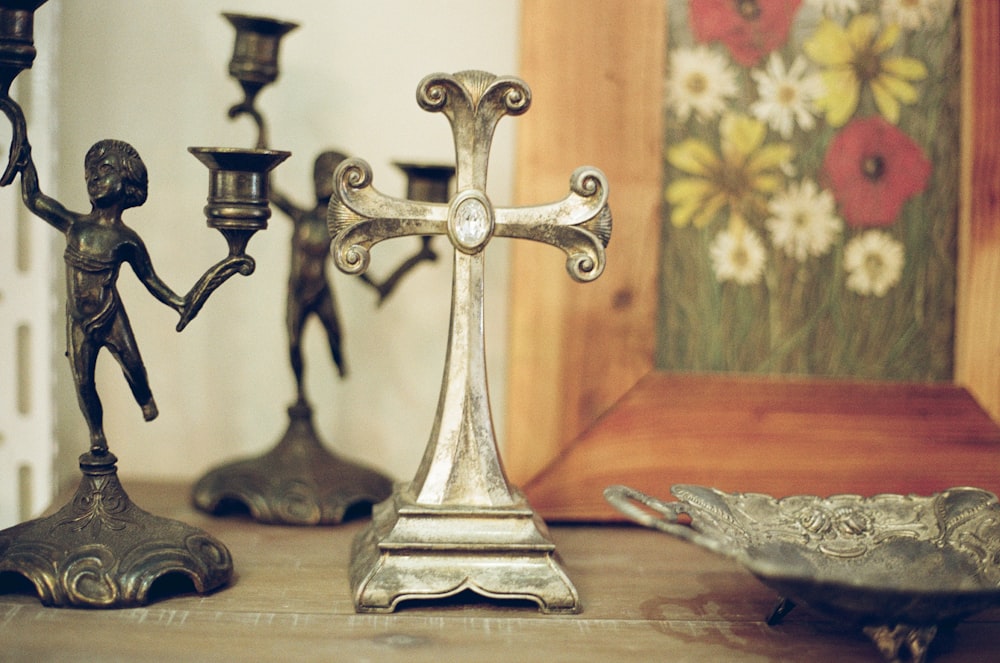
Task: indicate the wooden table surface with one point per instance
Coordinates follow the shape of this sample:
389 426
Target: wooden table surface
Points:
645 596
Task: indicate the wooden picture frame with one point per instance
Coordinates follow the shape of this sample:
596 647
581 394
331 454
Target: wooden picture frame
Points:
585 407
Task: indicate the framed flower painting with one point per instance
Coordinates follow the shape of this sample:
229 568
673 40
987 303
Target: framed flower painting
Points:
811 188
827 131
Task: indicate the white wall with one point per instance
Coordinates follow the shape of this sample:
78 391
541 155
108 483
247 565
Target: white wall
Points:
29 265
155 74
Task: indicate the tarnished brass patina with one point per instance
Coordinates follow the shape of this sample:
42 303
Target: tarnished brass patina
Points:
896 566
237 207
255 63
459 524
298 481
100 550
17 53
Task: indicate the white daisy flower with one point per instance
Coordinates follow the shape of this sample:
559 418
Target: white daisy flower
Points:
834 8
700 81
874 263
916 14
803 220
786 97
738 255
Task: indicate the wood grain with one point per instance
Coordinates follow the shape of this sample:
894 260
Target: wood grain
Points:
646 597
776 436
595 69
977 360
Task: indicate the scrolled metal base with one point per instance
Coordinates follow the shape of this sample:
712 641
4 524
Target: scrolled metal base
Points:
410 551
102 551
298 482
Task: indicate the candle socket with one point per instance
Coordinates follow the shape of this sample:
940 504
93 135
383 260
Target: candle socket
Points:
238 191
255 52
17 47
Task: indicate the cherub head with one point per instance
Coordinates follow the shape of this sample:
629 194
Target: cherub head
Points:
326 163
115 172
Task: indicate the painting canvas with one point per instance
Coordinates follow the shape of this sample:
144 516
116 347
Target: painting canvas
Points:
811 177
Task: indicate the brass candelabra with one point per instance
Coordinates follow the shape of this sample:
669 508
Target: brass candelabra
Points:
299 481
100 549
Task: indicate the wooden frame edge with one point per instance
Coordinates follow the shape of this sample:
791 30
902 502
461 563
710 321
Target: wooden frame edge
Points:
582 356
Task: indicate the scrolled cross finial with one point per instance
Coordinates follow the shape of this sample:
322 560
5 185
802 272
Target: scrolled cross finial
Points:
473 102
359 217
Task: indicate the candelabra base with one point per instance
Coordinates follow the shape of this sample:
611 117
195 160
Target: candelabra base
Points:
412 551
298 482
102 551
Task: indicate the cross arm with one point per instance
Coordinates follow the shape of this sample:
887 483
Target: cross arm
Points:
580 224
359 216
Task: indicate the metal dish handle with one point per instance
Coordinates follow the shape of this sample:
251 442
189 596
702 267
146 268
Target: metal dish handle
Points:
626 500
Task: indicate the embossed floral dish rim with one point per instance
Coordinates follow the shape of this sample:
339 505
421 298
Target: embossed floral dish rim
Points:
897 566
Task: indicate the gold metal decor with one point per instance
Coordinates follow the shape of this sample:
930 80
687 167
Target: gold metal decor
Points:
459 525
254 63
100 550
298 481
898 567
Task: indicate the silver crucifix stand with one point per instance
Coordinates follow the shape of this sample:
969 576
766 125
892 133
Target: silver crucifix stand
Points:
459 525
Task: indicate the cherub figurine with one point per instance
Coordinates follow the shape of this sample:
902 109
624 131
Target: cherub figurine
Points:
97 243
309 291
127 548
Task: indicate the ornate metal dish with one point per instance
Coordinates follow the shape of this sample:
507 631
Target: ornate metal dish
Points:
897 566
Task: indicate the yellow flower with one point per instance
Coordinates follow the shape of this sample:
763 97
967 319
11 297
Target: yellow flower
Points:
738 177
853 58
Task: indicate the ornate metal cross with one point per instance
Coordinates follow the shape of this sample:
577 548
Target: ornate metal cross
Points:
459 524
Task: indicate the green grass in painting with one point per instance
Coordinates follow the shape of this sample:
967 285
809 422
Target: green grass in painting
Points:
800 318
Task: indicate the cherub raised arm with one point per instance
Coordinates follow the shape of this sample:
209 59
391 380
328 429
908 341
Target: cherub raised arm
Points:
97 243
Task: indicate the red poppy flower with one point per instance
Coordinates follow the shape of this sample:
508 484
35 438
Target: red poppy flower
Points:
873 168
750 29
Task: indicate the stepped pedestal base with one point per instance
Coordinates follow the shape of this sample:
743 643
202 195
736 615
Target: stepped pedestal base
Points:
412 551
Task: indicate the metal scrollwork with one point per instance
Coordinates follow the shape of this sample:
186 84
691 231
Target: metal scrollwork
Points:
102 506
100 550
460 483
896 565
360 216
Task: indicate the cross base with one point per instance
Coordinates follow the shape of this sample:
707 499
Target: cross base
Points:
413 551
